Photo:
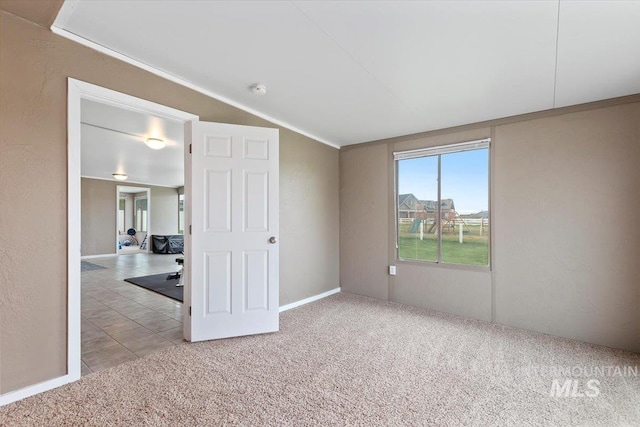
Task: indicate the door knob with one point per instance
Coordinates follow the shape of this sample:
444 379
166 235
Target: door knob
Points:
273 239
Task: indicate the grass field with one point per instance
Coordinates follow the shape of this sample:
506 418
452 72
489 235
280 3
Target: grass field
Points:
474 250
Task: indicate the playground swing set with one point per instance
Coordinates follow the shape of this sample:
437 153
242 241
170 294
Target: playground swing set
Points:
449 219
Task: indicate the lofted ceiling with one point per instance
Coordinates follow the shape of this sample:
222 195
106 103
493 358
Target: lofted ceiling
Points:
346 72
112 141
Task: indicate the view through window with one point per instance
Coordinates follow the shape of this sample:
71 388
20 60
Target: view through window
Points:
141 215
121 210
443 204
181 214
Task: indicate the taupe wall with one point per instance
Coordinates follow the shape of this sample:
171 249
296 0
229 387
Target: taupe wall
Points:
98 231
164 210
34 66
98 217
364 215
565 201
309 221
567 232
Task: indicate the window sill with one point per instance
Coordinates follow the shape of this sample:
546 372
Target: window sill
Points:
462 267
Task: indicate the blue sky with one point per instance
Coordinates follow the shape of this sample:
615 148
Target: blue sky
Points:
465 179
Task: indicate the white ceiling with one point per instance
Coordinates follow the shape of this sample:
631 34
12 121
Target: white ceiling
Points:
112 141
353 71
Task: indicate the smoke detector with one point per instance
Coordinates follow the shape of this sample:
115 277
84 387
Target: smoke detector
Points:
259 89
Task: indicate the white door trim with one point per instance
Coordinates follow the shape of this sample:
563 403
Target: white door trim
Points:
76 91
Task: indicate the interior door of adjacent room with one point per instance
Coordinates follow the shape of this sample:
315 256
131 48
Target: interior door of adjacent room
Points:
232 251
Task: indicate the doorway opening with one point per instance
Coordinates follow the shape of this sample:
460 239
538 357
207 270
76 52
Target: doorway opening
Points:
123 308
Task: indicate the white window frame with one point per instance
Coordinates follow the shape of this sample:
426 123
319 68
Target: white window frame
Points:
181 198
145 218
438 151
124 219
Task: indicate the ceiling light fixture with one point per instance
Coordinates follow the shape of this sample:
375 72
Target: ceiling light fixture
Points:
259 89
155 143
120 176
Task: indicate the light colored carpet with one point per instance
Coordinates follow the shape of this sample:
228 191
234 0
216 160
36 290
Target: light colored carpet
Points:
349 360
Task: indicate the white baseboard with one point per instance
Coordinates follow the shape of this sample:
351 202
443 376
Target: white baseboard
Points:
98 256
308 300
22 393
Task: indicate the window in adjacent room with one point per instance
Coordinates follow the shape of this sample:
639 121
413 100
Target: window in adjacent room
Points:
141 214
121 204
181 214
443 204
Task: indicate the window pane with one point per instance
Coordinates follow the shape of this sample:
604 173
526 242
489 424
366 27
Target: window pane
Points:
143 227
465 206
141 215
417 207
121 203
181 213
141 204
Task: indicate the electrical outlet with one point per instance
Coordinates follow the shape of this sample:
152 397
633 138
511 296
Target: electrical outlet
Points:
392 270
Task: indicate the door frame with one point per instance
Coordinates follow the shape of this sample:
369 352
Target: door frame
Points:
78 90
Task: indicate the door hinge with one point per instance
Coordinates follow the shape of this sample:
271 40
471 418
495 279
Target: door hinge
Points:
189 148
189 310
189 229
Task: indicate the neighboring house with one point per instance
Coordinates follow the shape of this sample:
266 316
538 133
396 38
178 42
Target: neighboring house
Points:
481 214
446 205
409 205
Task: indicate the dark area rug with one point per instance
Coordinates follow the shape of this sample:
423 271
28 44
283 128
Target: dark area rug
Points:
89 266
159 283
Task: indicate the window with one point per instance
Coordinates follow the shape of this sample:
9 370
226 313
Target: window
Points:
181 213
443 204
121 204
141 215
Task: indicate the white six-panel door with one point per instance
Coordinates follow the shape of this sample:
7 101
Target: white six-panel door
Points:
232 249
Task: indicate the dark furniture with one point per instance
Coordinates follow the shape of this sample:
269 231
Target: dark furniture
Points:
132 237
169 244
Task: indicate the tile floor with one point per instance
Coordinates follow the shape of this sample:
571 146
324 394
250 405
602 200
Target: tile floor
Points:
121 321
133 249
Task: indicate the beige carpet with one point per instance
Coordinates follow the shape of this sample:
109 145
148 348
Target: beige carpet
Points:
349 360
